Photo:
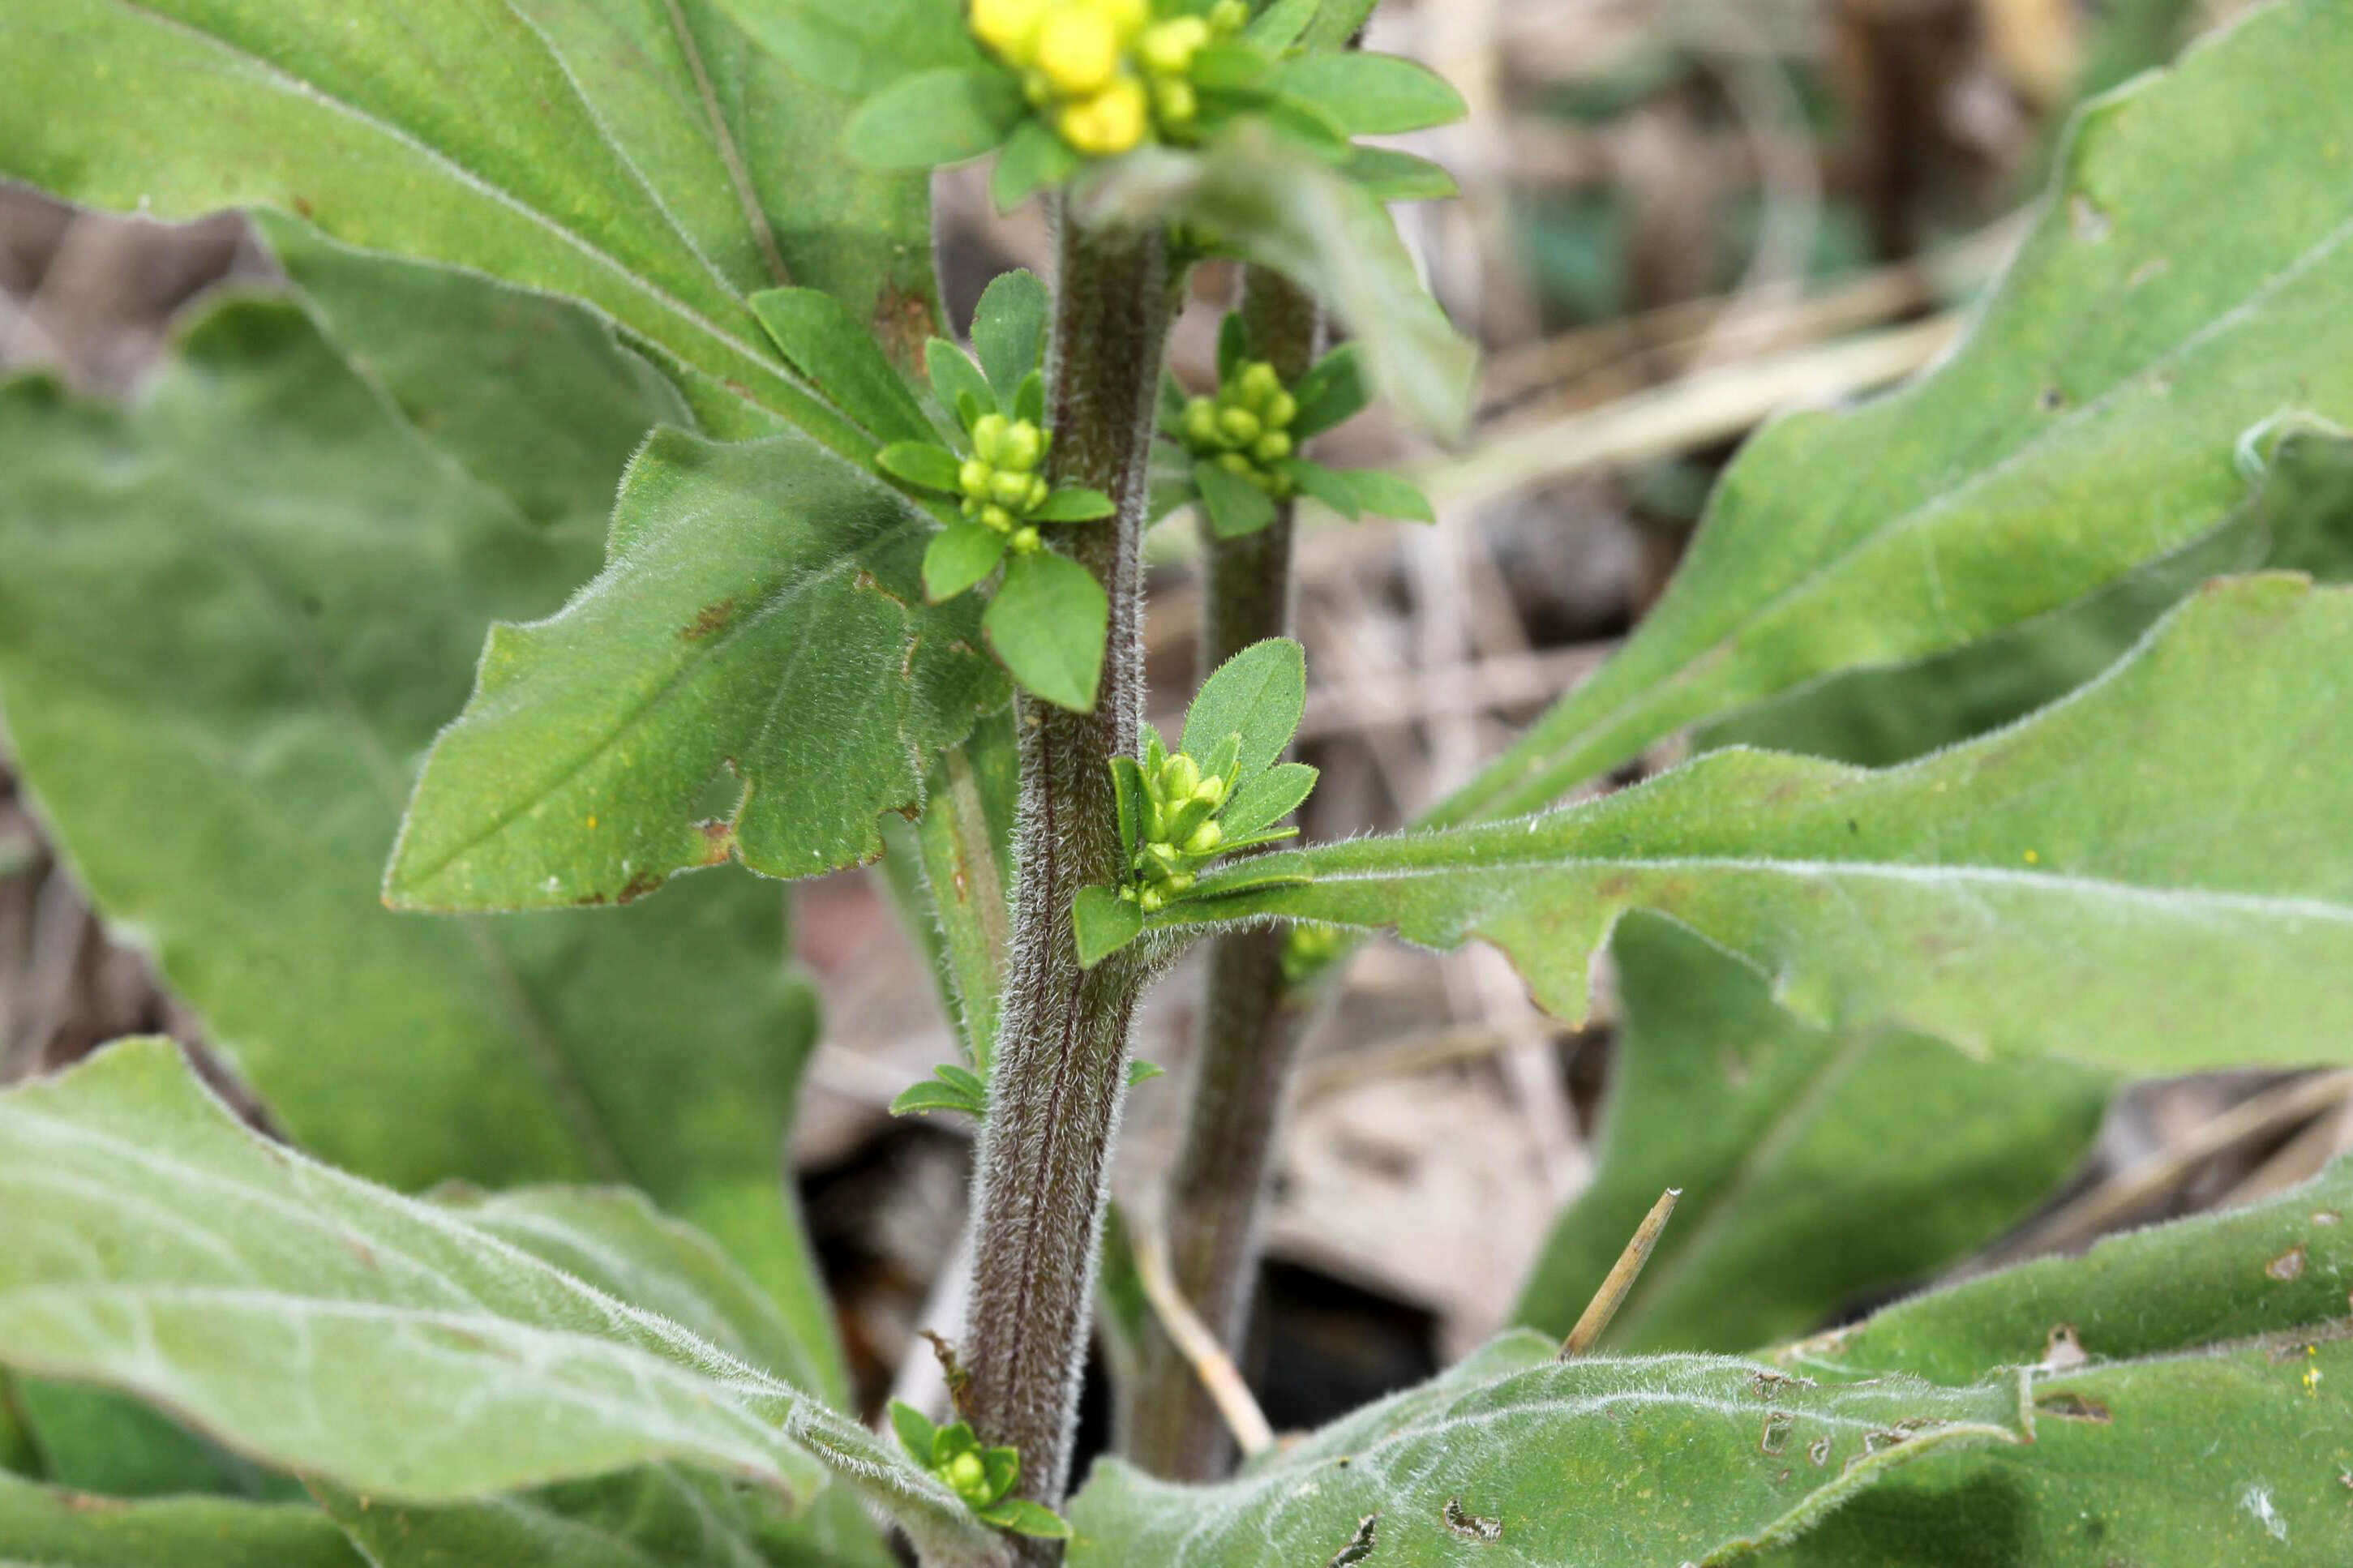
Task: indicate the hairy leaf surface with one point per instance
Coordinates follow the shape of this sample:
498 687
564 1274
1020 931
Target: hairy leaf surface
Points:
53 1526
2195 1405
1818 1167
2167 845
639 156
231 619
1517 1459
368 1342
2181 300
760 616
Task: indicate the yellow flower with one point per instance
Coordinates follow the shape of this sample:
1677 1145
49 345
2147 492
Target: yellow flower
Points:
1009 26
1079 49
1111 122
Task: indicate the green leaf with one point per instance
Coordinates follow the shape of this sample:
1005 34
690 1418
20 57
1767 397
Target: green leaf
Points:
1329 485
951 1088
1234 345
1236 506
1652 1461
96 1440
1388 176
1266 799
619 1244
376 1343
1280 205
959 556
1142 1071
2194 1401
1383 494
759 613
922 464
1373 95
1818 1167
1335 23
53 1526
947 116
1008 331
1260 694
1103 922
1278 27
1332 391
1033 159
231 620
840 356
916 1432
964 841
642 159
857 48
1984 895
533 397
1075 504
956 379
2185 286
1047 621
1023 1517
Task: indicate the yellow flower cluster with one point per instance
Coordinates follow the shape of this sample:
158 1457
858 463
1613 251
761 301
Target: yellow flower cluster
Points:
1107 75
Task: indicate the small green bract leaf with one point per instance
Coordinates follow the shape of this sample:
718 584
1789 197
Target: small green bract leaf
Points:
956 381
962 554
1103 922
1383 494
1008 331
1075 503
1236 506
1332 391
1261 802
935 117
921 463
829 346
1260 694
1374 95
1142 1071
1047 622
1023 1517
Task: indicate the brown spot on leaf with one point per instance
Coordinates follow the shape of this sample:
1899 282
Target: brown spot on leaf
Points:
2288 1265
303 209
1818 1450
1359 1546
902 320
718 841
639 886
1779 1424
709 620
2072 1407
2063 1352
1471 1526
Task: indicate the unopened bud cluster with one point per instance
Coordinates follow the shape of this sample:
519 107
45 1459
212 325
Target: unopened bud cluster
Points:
1105 73
1178 833
1246 428
1002 481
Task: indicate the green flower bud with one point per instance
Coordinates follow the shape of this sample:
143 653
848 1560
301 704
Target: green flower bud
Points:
1180 882
1162 855
1020 446
1212 790
1259 386
1039 490
997 518
1239 424
1201 422
1228 17
1235 463
1179 777
1168 49
988 437
973 477
1009 487
1272 448
1151 900
1024 540
967 1475
1281 410
1206 839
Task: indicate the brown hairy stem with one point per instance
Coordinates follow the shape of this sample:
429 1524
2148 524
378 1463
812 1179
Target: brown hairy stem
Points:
1054 1090
1249 1027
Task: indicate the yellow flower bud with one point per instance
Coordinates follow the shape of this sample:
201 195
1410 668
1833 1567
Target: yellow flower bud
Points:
997 518
1009 26
1111 122
1078 49
1009 489
1168 49
1024 540
1281 410
1127 17
1176 102
988 436
1272 448
1022 445
966 1473
1228 17
1259 386
973 477
1239 424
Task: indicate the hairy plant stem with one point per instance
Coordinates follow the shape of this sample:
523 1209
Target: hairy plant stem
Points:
1250 1027
1060 1068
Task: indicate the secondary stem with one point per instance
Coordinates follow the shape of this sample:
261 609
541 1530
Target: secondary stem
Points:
1055 1088
1250 1029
